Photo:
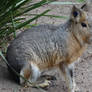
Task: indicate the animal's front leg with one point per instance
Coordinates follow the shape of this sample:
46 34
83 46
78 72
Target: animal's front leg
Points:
69 76
71 70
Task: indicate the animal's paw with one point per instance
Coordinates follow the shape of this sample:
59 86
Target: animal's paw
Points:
76 89
45 84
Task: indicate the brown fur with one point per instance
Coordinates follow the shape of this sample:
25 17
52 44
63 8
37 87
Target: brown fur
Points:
44 47
27 73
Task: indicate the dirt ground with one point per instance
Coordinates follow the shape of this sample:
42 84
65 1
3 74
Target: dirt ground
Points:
83 67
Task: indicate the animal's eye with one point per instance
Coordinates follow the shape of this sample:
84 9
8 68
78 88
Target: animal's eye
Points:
75 13
83 25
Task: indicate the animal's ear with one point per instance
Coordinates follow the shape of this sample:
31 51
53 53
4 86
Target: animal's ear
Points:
75 12
85 7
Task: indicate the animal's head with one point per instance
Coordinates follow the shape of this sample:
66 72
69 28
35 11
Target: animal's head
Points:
80 26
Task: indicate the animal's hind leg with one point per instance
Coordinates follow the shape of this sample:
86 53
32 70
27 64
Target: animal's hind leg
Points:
35 74
26 73
32 73
69 76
